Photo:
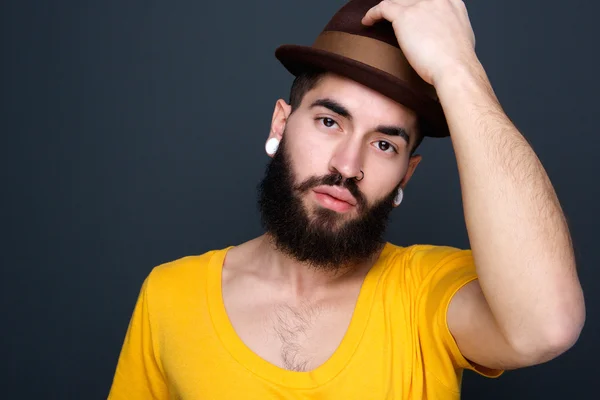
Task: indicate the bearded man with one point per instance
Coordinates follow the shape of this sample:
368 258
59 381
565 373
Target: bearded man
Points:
321 306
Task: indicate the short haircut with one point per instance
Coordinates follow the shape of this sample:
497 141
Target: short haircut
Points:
307 81
302 84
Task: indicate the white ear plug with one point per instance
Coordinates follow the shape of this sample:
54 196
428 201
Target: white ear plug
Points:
271 146
399 197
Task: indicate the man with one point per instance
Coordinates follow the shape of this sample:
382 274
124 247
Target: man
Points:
321 307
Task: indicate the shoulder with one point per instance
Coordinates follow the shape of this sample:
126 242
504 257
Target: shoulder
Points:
436 255
422 260
180 275
425 254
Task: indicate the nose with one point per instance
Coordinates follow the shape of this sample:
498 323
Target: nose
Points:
347 159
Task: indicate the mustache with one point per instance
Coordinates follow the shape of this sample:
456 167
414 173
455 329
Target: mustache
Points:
334 180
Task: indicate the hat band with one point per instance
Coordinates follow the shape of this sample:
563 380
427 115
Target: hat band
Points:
375 53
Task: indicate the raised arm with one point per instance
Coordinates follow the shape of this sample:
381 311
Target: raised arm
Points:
527 306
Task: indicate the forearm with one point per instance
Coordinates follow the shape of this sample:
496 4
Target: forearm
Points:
517 230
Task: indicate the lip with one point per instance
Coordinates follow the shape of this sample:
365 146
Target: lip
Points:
337 193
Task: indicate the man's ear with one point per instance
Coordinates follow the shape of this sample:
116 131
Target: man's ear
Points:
413 162
281 114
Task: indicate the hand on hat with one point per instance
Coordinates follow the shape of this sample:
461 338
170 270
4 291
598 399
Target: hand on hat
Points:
435 35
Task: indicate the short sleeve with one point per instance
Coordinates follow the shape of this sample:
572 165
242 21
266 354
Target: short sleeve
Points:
139 373
442 272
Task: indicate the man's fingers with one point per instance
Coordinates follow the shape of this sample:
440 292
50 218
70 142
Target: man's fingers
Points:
373 15
381 11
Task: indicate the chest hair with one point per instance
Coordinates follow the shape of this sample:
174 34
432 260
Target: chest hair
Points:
295 327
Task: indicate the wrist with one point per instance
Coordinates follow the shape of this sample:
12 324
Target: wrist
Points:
459 74
460 79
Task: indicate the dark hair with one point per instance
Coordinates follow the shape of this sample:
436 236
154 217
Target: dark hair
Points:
302 84
307 81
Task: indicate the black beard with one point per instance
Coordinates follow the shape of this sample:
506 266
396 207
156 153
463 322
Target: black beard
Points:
324 241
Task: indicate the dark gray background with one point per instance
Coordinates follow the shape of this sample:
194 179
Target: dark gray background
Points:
132 133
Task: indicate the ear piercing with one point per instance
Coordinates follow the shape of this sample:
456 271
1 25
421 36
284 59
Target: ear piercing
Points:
399 197
271 146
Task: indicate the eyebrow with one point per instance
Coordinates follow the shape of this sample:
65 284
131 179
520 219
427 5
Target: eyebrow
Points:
333 106
342 111
393 131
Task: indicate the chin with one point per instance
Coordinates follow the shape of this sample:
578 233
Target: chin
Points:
325 218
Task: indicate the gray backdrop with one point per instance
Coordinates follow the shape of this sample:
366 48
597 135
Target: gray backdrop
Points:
132 134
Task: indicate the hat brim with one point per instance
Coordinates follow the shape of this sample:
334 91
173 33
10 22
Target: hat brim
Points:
297 59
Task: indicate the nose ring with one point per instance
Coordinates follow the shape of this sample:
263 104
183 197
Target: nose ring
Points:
362 176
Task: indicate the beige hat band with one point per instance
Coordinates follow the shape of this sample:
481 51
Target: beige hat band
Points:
374 53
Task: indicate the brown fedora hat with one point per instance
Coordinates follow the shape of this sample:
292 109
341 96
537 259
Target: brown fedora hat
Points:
371 56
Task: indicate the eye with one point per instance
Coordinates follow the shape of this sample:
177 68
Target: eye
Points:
385 146
327 122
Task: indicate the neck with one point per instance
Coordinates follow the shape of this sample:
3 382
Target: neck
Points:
302 278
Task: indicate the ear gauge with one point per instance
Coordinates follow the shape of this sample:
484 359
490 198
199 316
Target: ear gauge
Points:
271 146
399 197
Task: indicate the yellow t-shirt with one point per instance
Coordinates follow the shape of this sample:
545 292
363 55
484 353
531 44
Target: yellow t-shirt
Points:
181 345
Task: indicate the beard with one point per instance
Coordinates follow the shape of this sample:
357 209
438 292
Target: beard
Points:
326 239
